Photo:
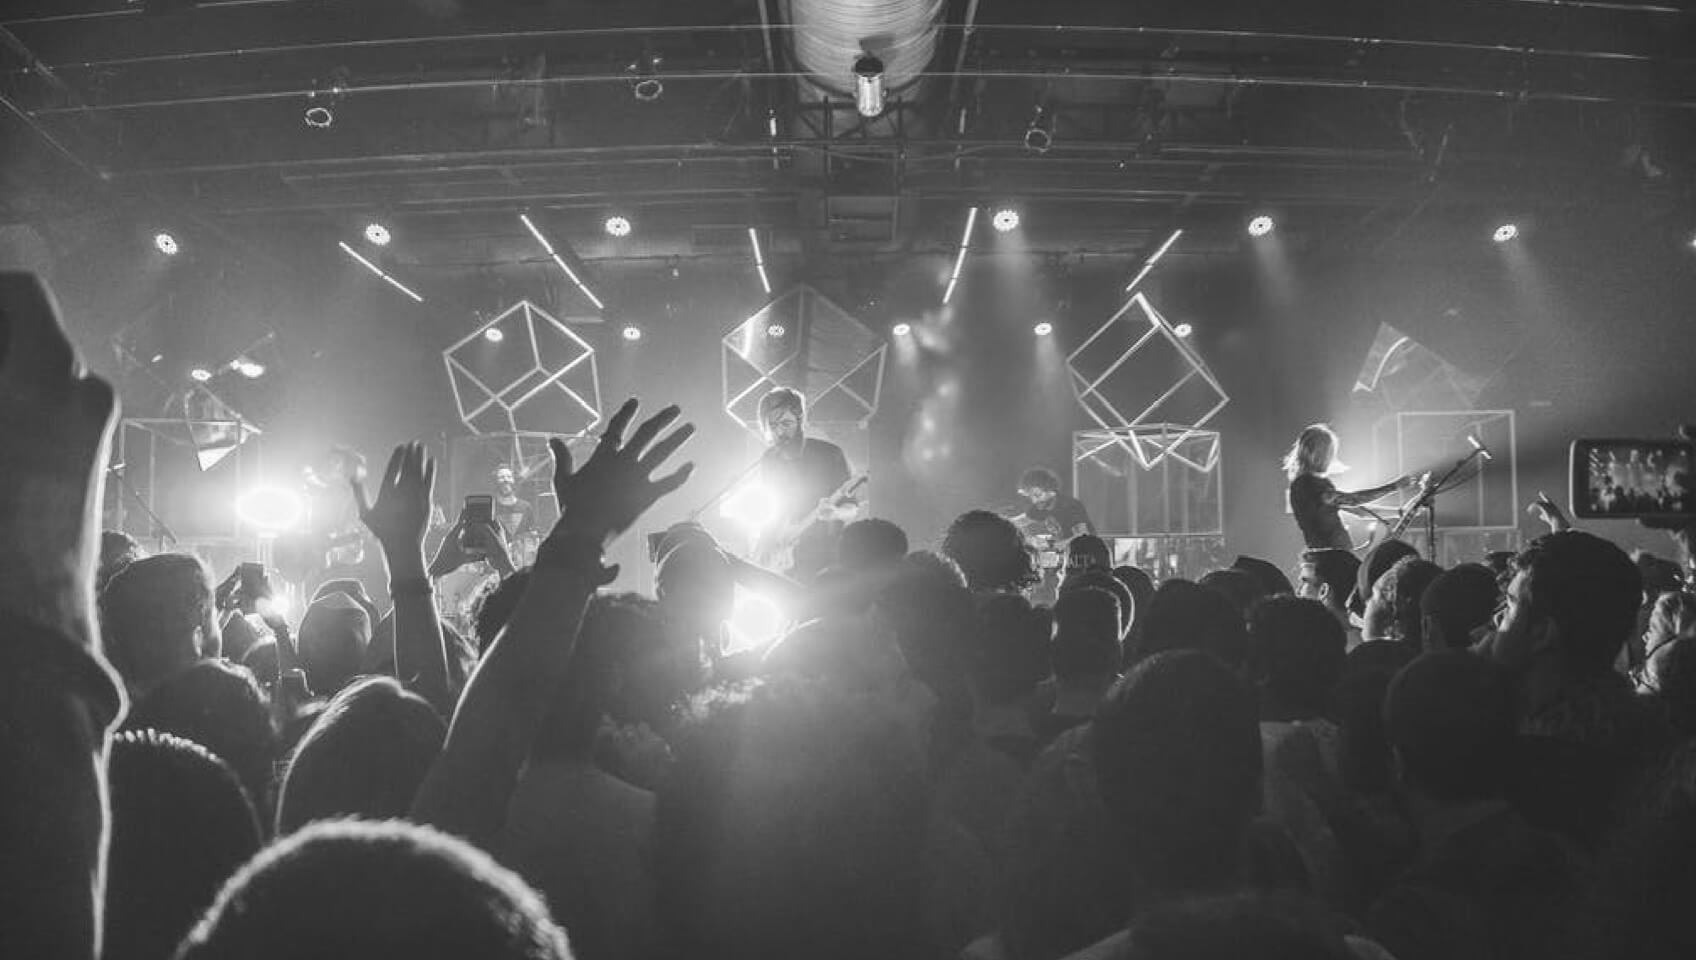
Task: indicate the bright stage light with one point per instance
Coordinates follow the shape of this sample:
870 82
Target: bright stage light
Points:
756 622
270 509
1505 232
1183 330
377 234
251 369
200 374
494 335
776 330
618 226
632 333
1260 226
1043 329
751 506
1005 219
166 243
901 329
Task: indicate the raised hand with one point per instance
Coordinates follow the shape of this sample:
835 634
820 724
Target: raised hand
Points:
401 512
603 498
1549 512
55 438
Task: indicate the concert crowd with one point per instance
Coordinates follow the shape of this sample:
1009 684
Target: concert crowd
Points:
1380 759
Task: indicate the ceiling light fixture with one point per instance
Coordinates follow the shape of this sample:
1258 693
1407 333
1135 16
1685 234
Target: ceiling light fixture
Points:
1038 136
1260 226
377 234
960 259
1043 329
632 333
1005 219
494 335
901 329
403 288
1505 232
868 86
560 262
618 226
166 244
1148 265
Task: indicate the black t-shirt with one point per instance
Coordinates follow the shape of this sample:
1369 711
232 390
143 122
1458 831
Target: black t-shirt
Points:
515 517
798 483
1060 516
1321 526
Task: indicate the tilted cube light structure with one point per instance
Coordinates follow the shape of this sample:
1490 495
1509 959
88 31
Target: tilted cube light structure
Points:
803 341
540 376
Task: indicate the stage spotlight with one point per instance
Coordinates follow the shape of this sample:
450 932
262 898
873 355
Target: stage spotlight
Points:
1505 232
270 509
756 622
901 329
494 335
1183 330
618 226
632 333
251 369
377 234
1260 226
751 506
166 243
200 374
776 330
1043 329
1005 219
318 118
868 86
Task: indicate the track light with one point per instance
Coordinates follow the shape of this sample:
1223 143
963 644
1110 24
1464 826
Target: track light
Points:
901 329
1043 329
166 244
1260 226
1037 136
868 86
403 288
960 259
618 226
632 333
377 234
1005 219
1505 232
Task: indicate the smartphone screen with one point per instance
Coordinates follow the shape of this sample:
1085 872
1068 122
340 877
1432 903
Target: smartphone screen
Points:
1631 478
253 580
479 508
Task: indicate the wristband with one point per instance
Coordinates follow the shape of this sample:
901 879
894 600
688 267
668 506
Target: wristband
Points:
411 587
576 555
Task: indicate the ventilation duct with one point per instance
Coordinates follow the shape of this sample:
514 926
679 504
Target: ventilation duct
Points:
830 35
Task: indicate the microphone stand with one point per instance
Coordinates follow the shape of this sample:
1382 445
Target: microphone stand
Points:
1428 501
161 530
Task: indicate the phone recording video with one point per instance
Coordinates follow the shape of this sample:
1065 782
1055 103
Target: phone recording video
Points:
1624 479
478 508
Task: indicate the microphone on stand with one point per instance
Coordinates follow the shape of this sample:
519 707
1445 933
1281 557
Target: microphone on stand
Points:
1479 446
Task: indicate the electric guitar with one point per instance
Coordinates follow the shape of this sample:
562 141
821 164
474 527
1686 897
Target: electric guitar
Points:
775 548
1405 516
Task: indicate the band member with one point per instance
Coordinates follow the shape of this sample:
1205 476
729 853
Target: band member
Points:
516 515
1051 513
333 546
1315 501
801 472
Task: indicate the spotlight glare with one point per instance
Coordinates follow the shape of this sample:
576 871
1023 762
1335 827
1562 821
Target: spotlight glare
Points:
1505 232
1183 330
1260 226
776 330
270 509
494 335
632 333
251 369
200 374
901 329
1005 219
751 506
166 243
1043 329
377 234
618 226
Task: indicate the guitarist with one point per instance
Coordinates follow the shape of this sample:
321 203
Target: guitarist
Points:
801 472
1315 500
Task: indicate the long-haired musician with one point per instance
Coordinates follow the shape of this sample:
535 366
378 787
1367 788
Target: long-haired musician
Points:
1315 500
